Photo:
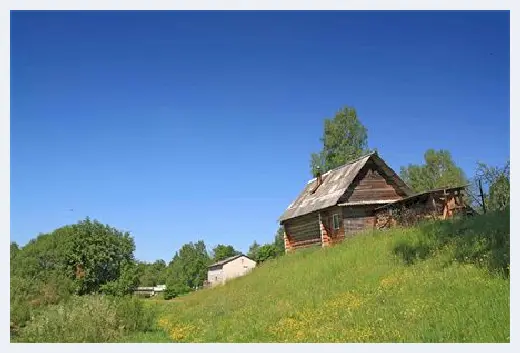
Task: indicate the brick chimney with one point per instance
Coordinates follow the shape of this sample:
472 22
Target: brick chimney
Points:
319 180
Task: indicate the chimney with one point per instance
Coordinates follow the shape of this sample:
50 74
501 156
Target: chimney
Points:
319 178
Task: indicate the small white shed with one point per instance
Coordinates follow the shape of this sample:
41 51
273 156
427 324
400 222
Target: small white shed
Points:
232 267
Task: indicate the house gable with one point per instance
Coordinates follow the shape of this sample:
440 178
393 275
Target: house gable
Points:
374 184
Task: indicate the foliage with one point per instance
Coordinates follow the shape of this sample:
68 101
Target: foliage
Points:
99 254
89 319
279 242
359 291
221 252
496 185
266 252
15 249
126 282
187 270
152 274
438 171
344 138
253 250
262 253
29 295
77 259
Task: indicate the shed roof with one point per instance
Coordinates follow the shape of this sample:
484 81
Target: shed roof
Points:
229 259
335 184
417 196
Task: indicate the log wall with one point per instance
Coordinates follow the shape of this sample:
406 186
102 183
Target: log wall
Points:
370 184
302 232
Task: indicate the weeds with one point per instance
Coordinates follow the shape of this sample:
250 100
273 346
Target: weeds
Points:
89 319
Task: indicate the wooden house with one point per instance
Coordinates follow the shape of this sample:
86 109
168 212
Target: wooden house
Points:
345 200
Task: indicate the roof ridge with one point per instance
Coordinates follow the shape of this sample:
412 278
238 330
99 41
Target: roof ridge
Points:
345 164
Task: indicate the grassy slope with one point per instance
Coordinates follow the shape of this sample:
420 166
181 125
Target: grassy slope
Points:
359 291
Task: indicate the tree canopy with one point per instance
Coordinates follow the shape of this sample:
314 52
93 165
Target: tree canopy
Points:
439 170
188 269
344 138
89 253
496 184
152 274
221 252
262 253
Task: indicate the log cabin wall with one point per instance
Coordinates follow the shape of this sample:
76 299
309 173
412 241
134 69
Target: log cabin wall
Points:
358 218
301 232
335 234
370 184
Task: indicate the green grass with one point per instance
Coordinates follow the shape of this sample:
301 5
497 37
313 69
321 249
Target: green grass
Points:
441 282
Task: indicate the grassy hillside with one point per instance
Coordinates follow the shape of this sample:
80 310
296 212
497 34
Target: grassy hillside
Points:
441 282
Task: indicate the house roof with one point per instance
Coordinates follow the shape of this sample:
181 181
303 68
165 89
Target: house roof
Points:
420 195
335 184
229 259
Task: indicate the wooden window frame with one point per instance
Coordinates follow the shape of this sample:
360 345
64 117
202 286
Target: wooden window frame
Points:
334 216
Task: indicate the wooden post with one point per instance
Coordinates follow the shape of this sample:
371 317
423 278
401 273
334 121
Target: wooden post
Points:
482 195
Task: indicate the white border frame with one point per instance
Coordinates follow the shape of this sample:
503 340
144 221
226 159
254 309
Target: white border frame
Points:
249 5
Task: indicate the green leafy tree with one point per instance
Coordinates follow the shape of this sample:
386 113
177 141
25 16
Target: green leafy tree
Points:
266 252
253 251
152 274
221 252
261 253
188 269
14 250
98 254
496 185
279 242
344 138
439 170
79 259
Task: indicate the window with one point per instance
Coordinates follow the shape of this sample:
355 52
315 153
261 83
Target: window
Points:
335 221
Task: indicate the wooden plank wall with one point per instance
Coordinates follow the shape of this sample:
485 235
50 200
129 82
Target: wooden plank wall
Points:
336 235
358 218
371 185
303 231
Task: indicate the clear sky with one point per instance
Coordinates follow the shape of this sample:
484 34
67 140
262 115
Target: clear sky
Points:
180 126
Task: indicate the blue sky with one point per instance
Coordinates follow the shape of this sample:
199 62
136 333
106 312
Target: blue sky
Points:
180 126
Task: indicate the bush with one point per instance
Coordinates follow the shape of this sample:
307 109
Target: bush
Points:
29 295
481 240
89 319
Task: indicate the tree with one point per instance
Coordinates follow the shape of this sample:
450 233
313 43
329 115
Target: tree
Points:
152 274
496 185
188 269
98 254
344 138
89 253
253 251
438 171
14 250
279 242
78 259
266 252
221 252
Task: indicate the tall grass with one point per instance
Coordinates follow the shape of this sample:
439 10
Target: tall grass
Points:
90 319
440 282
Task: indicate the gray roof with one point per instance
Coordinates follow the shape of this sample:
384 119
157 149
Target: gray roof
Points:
335 184
229 259
420 194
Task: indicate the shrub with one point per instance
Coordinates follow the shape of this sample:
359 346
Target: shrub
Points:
482 240
89 319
